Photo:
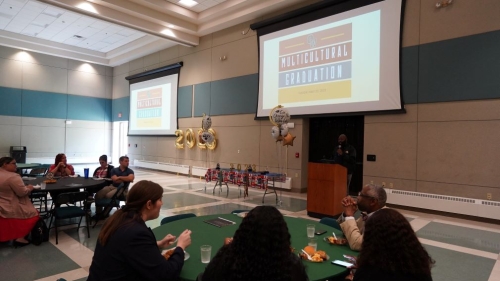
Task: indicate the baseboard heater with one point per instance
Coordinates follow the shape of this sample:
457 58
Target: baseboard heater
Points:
167 167
458 205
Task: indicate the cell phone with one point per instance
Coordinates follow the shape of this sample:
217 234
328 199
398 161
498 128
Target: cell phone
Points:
342 263
319 232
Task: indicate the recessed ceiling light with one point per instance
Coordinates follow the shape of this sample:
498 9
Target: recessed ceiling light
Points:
188 3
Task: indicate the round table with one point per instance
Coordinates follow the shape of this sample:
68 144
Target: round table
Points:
67 183
206 234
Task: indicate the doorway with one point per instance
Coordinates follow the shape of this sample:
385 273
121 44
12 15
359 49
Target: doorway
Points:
323 135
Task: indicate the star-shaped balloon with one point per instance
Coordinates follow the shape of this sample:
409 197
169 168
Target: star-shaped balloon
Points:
288 140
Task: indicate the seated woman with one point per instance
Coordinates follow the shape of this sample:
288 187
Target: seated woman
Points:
103 171
17 214
260 250
127 249
391 250
61 168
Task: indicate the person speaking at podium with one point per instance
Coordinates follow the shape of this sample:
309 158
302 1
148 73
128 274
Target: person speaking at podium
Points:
345 155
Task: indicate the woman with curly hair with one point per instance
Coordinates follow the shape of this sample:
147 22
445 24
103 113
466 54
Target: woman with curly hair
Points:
260 250
391 250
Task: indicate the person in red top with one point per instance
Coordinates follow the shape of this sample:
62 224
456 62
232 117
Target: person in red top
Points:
61 168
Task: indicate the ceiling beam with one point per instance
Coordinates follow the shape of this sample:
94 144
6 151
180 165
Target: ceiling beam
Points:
118 17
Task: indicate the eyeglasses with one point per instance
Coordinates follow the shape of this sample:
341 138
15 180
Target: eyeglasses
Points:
364 195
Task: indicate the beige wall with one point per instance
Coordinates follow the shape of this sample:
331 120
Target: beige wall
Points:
443 148
446 148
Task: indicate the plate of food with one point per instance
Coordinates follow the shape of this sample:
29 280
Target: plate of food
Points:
50 181
167 253
335 241
37 186
242 214
316 256
98 179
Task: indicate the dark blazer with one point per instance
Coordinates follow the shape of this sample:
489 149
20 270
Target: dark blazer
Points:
131 253
370 273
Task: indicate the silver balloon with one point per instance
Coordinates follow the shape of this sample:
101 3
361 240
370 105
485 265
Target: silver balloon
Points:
284 130
275 132
280 116
206 123
207 137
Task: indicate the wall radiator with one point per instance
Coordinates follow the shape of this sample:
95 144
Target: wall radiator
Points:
167 167
198 171
458 205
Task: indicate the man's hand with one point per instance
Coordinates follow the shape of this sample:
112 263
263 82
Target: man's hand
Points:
349 205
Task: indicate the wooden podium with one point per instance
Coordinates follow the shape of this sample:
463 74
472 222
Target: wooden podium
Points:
326 186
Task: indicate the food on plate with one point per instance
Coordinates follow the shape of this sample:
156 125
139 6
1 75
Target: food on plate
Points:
316 256
337 241
310 250
228 240
168 253
50 181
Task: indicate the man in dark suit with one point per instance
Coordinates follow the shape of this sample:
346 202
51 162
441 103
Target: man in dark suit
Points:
345 155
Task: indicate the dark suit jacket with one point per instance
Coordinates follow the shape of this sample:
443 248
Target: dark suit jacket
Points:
131 253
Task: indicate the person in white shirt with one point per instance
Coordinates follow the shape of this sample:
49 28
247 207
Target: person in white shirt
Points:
370 199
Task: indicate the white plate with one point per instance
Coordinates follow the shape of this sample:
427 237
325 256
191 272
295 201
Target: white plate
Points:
98 179
242 214
37 186
186 254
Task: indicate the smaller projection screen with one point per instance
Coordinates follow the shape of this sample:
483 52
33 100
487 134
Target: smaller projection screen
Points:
153 104
345 62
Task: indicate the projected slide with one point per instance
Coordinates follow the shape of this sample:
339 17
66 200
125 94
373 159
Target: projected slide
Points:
153 106
348 62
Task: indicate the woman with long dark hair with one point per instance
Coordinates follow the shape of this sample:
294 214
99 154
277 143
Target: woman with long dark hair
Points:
127 249
260 250
391 250
61 168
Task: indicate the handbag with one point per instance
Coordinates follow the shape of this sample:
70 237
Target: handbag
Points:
39 233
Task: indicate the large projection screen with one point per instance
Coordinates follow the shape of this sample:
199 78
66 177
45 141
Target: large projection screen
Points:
153 104
348 62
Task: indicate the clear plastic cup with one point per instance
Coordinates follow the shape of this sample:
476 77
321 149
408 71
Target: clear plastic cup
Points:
206 253
310 230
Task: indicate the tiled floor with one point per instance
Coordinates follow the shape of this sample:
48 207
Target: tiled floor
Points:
463 250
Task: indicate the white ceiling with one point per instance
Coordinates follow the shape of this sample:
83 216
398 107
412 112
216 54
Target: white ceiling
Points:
112 32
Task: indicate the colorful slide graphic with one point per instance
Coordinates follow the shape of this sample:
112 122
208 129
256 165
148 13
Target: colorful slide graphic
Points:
316 66
149 108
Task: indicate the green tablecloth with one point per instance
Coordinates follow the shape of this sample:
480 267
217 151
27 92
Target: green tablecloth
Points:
206 234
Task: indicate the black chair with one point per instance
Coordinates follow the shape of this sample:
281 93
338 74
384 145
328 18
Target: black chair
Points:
39 197
239 211
176 217
330 222
108 204
66 208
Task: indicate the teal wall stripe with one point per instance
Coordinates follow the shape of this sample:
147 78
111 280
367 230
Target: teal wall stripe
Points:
409 74
107 115
235 95
121 105
87 108
185 101
202 99
465 68
44 104
10 101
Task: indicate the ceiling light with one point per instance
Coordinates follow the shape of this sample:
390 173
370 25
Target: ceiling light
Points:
188 3
168 32
87 7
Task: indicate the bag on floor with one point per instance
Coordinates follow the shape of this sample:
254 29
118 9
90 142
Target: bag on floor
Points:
39 233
